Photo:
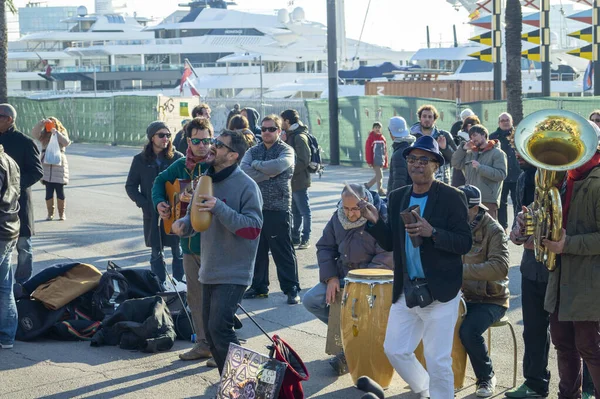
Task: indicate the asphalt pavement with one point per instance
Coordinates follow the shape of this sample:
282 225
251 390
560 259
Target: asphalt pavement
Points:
104 224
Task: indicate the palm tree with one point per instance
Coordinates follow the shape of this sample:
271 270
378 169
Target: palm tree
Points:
4 5
514 89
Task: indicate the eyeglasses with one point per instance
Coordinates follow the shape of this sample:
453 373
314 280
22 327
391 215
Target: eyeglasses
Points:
205 141
163 135
423 161
271 129
220 144
355 209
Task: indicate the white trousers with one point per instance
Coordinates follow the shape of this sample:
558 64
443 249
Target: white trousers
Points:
433 324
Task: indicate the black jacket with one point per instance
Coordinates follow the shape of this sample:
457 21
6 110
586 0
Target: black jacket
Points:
398 176
138 324
139 188
180 142
9 197
513 169
26 154
446 211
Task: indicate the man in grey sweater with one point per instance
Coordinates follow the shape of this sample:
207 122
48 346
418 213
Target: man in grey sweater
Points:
228 247
271 165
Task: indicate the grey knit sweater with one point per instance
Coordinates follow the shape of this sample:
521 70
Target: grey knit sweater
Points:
272 169
228 247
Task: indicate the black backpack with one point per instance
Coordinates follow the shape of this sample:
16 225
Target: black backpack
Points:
316 162
110 293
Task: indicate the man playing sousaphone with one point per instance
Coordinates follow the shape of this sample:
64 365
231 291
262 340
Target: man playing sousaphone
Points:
199 135
428 275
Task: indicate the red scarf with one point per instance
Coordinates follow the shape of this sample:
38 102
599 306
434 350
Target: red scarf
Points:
574 175
191 160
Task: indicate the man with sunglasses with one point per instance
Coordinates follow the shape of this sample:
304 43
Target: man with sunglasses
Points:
484 165
199 136
158 154
229 245
427 269
271 165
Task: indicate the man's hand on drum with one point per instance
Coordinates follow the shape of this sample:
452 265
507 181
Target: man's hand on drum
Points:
333 287
368 211
177 227
420 228
164 210
206 203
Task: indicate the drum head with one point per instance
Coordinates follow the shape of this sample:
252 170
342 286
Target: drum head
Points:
371 274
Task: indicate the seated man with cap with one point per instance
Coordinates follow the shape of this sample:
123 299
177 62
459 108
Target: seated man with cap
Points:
398 176
484 287
345 246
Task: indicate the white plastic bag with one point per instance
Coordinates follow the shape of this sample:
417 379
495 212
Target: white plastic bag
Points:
52 154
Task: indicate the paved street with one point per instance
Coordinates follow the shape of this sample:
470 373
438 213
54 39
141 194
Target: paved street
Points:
103 224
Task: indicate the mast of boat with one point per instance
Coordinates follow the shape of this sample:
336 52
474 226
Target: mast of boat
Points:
340 23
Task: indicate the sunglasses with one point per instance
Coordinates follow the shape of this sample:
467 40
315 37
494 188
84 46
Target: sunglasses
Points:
220 144
163 135
595 120
271 129
205 141
423 161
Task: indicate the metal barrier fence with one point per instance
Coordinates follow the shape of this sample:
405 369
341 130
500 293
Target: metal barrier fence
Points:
122 120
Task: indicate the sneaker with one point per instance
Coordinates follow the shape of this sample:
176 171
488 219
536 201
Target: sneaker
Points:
199 351
304 245
587 395
292 297
339 364
211 363
486 388
237 323
251 293
6 346
523 392
295 242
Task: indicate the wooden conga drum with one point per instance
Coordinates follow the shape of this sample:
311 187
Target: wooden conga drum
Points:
459 353
365 309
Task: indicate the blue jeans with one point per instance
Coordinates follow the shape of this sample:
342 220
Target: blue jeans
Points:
24 260
302 216
159 267
480 316
8 306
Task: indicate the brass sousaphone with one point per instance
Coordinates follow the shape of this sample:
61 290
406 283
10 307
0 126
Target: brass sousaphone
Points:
554 141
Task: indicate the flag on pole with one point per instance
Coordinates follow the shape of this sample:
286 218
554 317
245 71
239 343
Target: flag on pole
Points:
532 19
484 38
185 80
584 34
483 55
484 6
588 77
584 16
484 22
532 54
535 4
583 52
532 37
585 2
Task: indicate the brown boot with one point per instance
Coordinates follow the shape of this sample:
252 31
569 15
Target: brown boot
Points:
50 207
199 351
61 209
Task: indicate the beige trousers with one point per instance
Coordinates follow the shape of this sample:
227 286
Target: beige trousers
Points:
191 266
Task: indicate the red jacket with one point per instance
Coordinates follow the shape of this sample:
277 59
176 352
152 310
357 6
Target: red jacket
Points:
371 140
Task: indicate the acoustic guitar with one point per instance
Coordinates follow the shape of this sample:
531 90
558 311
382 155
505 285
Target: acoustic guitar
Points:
179 195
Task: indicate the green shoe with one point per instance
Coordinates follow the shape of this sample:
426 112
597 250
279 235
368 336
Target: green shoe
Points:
522 392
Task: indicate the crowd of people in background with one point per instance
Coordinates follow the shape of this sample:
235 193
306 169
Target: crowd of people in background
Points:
457 184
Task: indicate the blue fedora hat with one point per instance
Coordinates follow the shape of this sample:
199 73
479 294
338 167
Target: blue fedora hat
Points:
426 143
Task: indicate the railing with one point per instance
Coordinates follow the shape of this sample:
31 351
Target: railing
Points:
135 68
85 44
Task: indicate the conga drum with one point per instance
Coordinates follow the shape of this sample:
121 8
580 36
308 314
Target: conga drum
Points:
459 353
366 303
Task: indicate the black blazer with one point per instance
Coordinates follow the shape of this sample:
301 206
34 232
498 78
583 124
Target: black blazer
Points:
446 210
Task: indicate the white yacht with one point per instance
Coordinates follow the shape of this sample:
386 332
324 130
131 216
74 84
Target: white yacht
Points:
233 53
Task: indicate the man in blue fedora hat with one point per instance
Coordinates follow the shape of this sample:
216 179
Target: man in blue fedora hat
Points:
428 243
